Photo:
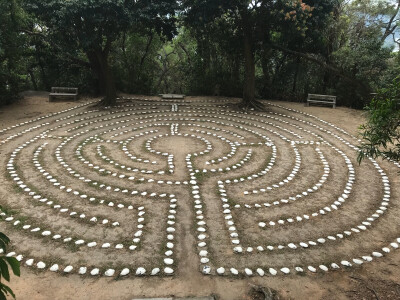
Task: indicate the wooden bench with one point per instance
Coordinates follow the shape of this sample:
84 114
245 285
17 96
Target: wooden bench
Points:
172 96
322 99
63 92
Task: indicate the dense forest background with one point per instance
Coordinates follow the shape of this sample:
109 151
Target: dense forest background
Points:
345 48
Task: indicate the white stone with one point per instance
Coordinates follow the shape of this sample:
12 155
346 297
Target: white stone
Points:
285 270
206 270
260 272
335 266
54 268
29 262
68 269
324 268
312 269
95 272
155 271
345 263
299 270
124 272
234 271
377 254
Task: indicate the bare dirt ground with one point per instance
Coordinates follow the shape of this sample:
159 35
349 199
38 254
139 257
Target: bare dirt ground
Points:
376 280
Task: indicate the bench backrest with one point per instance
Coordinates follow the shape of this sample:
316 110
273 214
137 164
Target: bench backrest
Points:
172 96
67 90
321 97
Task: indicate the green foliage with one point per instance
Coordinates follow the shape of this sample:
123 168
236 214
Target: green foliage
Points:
360 51
12 49
90 25
5 262
381 134
93 27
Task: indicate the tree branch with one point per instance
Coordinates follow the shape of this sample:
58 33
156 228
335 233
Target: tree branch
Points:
107 46
147 50
186 52
33 33
389 27
79 61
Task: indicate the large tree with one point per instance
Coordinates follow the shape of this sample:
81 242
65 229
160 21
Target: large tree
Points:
91 27
256 23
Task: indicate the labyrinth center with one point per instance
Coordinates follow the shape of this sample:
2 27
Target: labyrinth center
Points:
106 192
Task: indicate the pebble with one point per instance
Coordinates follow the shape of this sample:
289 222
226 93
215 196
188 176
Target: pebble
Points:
95 272
140 271
285 270
260 272
68 269
234 271
312 269
54 268
206 270
155 271
29 262
272 271
124 272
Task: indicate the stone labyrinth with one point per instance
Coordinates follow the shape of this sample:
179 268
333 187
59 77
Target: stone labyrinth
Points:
140 188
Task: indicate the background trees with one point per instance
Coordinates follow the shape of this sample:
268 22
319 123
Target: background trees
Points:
91 28
256 25
198 47
13 68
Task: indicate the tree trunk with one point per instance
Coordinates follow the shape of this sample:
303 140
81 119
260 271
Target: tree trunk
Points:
265 65
95 66
249 86
45 82
110 98
99 62
249 72
33 79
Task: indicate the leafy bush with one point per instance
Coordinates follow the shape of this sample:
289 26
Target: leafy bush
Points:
381 133
4 272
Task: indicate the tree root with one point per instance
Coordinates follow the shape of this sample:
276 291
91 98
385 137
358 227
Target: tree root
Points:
252 104
269 294
105 103
366 286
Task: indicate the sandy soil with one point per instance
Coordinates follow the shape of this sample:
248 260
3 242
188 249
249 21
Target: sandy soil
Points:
376 280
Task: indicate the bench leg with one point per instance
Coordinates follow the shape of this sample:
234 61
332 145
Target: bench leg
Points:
334 105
